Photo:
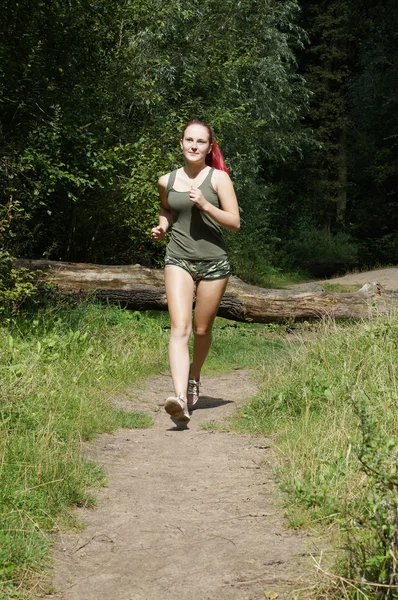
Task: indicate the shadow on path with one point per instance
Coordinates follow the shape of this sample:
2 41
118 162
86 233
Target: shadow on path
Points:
210 402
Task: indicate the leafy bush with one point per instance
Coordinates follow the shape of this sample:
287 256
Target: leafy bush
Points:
94 99
383 250
16 284
372 531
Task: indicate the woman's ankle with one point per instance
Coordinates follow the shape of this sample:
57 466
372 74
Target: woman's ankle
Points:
191 374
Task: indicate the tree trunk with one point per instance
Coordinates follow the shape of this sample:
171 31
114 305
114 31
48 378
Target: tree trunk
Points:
140 288
342 176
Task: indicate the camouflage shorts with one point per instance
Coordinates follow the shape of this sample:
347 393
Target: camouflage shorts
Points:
201 269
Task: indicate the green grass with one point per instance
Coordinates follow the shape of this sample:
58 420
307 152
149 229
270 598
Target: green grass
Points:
244 345
270 277
332 410
58 370
274 278
255 268
341 288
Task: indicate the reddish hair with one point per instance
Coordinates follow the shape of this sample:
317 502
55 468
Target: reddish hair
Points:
214 158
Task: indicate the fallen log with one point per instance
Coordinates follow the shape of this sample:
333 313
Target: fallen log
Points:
141 288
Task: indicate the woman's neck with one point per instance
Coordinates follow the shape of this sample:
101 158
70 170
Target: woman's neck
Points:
192 171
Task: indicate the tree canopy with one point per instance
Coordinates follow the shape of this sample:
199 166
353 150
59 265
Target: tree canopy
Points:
302 98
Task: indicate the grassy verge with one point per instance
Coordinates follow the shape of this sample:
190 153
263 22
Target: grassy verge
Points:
244 345
271 277
340 288
333 408
330 400
58 369
274 278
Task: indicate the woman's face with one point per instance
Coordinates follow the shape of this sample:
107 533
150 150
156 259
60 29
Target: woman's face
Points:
196 143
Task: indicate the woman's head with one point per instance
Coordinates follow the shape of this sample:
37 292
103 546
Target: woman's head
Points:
197 140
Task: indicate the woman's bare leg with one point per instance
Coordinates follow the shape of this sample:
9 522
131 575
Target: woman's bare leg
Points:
208 298
179 292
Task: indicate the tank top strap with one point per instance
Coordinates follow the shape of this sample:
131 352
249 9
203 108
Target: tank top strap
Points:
209 175
170 183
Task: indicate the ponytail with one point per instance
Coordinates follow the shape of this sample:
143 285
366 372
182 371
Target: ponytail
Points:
214 158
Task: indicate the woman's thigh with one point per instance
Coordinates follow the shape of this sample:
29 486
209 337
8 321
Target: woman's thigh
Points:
208 297
179 291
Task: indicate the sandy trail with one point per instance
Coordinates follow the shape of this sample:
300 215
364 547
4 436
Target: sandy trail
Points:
186 515
388 278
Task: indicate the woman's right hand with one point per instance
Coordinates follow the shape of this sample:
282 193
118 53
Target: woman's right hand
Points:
158 233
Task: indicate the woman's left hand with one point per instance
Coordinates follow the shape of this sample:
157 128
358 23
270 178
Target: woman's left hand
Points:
197 198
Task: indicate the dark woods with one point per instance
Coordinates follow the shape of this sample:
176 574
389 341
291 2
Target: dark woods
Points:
302 97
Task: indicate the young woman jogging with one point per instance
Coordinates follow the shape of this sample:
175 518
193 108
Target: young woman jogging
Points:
198 199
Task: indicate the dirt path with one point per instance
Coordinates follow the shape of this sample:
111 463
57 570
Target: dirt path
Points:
388 278
187 515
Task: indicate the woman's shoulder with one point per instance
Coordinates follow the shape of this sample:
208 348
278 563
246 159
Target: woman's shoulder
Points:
219 177
164 179
220 173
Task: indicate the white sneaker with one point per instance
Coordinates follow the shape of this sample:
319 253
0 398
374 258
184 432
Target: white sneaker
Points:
177 409
193 392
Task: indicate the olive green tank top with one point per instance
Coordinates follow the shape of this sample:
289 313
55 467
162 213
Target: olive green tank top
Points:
194 235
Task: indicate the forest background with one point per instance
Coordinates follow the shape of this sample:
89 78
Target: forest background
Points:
302 97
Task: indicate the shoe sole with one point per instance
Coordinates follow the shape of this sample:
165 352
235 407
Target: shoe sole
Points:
175 410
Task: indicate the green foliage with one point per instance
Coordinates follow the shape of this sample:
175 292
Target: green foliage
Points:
93 96
372 93
92 108
346 180
314 184
373 554
314 245
16 285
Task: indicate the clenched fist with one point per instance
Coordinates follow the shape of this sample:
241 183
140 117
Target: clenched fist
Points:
158 233
197 198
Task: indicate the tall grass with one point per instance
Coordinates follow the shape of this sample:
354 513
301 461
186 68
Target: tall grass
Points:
333 405
58 369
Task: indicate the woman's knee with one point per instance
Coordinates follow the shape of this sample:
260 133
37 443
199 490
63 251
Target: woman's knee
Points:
202 330
181 331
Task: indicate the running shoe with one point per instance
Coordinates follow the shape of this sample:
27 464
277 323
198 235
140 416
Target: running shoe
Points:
177 409
193 391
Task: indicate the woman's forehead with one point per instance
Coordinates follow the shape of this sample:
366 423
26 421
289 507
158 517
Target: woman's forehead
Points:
197 131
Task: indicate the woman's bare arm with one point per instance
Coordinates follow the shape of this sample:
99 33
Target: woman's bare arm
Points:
165 214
